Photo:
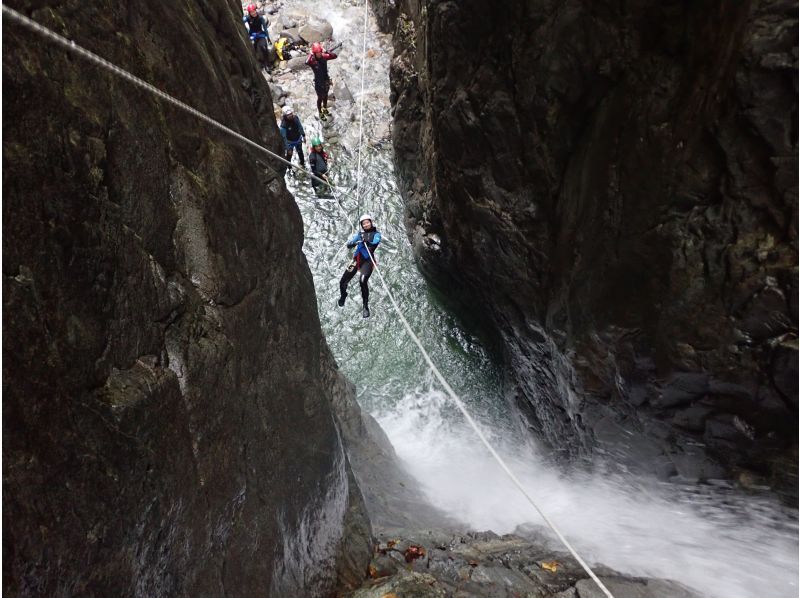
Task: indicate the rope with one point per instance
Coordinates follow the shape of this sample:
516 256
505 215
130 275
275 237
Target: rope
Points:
452 394
92 57
73 47
361 109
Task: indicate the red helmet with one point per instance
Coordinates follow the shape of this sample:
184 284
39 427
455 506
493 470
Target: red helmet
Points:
251 8
316 47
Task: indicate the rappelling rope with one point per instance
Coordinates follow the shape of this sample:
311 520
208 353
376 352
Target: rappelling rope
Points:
361 108
459 403
73 47
92 57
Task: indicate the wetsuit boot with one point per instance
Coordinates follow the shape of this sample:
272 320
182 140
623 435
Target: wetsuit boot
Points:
342 298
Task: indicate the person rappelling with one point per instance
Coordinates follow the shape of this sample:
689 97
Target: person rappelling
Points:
293 134
318 160
365 242
318 61
257 26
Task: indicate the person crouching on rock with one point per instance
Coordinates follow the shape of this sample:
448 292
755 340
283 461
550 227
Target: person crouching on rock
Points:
257 25
318 161
318 61
365 243
293 134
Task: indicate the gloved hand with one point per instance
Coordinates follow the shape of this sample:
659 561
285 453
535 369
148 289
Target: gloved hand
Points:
351 244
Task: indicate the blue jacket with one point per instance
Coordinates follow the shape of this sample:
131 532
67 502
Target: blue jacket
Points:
256 26
292 129
371 240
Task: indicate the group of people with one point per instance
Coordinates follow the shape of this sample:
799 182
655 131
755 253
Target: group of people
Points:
257 26
366 241
293 138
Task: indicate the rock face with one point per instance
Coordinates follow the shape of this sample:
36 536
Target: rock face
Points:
167 419
477 564
614 188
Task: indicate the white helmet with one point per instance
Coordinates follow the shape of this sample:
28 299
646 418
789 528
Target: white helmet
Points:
365 217
287 110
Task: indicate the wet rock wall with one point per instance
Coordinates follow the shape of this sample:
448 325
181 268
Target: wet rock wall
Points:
614 189
167 418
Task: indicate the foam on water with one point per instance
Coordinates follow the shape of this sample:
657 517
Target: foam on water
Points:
720 543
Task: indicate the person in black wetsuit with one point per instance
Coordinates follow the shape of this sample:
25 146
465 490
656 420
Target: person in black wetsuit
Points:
256 26
318 61
318 161
293 134
365 243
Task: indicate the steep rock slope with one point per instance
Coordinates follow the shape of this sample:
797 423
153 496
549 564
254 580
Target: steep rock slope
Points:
614 187
167 420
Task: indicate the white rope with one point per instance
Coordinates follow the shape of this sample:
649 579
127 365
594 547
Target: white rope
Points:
92 57
361 106
459 403
73 47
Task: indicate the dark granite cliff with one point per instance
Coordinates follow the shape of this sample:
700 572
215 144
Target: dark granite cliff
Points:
167 393
614 188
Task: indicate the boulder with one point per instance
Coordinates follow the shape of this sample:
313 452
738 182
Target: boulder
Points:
287 22
316 30
292 34
683 388
296 63
341 92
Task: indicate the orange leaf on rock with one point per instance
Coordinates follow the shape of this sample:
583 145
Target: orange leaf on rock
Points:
551 566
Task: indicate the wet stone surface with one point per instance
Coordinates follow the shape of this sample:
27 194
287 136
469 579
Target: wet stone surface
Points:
479 564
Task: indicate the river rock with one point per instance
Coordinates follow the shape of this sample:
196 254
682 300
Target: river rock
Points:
484 564
297 62
316 30
277 91
341 91
292 34
287 22
683 388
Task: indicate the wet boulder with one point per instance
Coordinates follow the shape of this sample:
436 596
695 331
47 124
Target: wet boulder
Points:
296 63
287 22
341 92
682 388
316 30
292 34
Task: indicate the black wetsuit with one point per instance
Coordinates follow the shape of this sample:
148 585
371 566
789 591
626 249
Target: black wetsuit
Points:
361 264
318 161
322 82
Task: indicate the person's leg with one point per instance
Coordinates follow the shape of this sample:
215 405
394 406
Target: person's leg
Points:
261 53
346 278
301 156
288 155
365 272
324 88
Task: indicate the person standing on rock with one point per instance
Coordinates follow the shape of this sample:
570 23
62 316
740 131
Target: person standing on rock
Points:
256 26
318 61
318 161
365 243
293 134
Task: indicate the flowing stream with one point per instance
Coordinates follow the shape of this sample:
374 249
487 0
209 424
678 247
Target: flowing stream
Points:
711 538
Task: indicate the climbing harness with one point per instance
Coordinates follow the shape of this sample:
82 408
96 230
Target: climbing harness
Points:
73 47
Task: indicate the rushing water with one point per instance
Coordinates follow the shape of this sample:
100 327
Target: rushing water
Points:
713 539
